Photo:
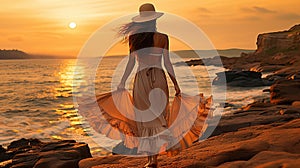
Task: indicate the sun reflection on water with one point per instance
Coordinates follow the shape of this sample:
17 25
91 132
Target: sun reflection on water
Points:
69 76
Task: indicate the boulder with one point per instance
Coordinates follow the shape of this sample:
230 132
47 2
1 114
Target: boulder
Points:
296 104
241 79
122 149
32 153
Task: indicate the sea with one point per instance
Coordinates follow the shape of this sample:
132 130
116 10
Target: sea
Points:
37 97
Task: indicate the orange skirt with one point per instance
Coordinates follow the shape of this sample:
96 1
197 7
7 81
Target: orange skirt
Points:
145 120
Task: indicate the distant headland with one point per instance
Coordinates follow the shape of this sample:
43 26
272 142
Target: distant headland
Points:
18 54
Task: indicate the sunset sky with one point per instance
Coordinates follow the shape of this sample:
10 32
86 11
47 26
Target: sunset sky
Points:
41 26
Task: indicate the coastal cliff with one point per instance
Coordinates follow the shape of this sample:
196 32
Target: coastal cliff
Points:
277 52
285 41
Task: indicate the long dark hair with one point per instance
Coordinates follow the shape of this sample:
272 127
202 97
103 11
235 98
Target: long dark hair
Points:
139 35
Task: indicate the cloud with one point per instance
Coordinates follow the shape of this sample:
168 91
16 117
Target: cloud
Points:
15 38
258 9
263 10
248 18
289 16
204 10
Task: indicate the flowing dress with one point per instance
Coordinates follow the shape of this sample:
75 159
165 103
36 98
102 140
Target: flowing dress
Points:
145 120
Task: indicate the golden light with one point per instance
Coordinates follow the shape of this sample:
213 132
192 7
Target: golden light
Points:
72 25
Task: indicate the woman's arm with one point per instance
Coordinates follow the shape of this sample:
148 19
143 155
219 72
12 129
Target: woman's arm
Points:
169 66
128 70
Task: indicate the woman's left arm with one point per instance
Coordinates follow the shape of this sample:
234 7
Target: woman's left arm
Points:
128 70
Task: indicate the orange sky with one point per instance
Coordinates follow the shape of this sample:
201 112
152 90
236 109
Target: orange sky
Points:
41 26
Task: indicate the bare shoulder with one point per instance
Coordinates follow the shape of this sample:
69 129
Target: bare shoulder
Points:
161 36
161 39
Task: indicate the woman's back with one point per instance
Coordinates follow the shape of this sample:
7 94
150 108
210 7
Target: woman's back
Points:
149 54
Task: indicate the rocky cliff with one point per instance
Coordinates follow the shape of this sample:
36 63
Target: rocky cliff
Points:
277 52
285 41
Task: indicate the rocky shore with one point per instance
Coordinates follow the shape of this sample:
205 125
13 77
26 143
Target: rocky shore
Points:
262 134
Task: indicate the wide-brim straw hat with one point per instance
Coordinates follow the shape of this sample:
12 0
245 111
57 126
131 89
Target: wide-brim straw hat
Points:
147 13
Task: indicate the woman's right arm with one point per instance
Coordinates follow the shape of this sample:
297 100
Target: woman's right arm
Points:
169 66
129 67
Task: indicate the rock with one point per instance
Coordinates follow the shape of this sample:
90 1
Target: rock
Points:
241 79
254 146
23 143
275 77
194 62
280 159
296 104
270 43
34 153
226 104
122 149
2 150
216 61
90 162
252 115
295 76
290 111
6 164
295 28
4 155
277 52
19 144
285 92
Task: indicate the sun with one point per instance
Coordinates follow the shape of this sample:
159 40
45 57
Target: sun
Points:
72 25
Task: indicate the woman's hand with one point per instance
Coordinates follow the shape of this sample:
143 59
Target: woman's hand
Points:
177 89
121 86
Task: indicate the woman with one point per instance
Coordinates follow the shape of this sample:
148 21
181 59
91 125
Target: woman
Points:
149 124
148 47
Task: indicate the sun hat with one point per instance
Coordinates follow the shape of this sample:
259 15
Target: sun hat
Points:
147 13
